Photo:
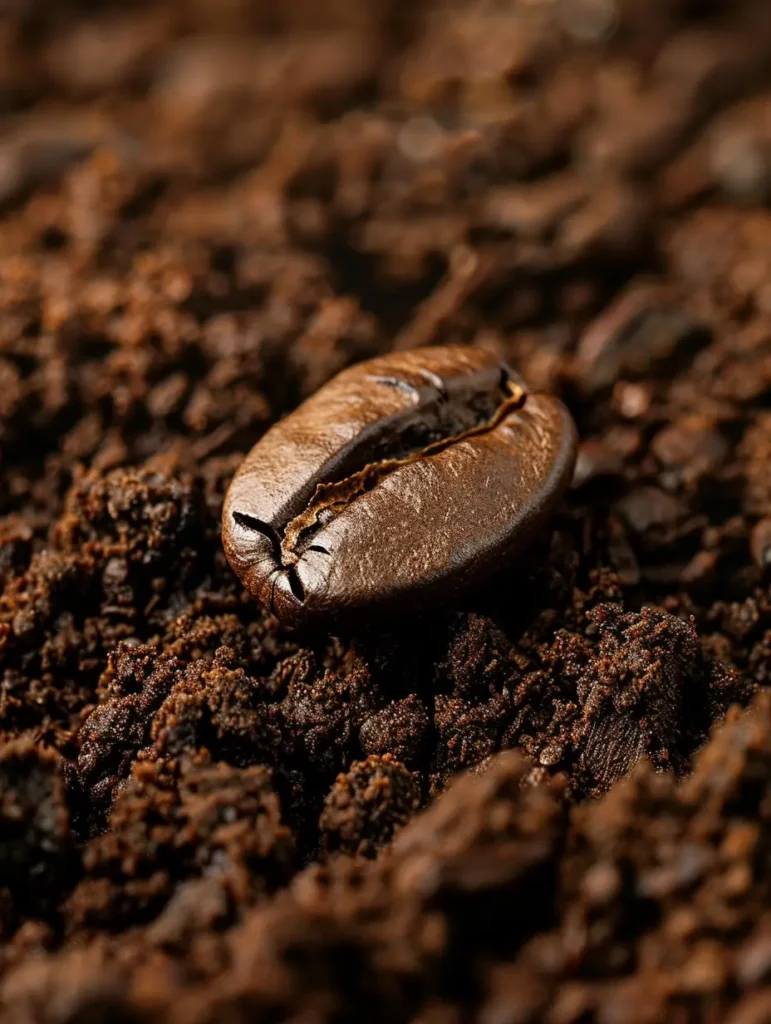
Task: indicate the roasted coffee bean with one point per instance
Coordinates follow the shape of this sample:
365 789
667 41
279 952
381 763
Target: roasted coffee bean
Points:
402 483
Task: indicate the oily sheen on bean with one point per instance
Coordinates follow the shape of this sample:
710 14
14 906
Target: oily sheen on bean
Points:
404 482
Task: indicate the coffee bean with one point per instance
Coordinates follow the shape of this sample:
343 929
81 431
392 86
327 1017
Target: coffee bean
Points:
404 482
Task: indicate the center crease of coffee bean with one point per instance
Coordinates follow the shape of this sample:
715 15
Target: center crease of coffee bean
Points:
332 497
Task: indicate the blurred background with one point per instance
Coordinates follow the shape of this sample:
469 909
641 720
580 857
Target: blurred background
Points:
209 207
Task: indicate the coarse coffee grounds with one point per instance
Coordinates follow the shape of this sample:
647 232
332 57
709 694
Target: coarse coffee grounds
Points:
547 803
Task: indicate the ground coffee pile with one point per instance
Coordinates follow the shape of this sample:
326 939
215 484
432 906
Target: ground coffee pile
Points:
209 208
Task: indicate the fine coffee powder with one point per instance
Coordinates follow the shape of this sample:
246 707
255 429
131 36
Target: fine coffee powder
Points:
403 483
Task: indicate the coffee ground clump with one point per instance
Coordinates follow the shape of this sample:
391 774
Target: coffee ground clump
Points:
545 801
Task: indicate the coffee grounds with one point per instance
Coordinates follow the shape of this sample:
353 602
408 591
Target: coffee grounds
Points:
207 211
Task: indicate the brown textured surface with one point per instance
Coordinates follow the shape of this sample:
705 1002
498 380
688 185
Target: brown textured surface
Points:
209 210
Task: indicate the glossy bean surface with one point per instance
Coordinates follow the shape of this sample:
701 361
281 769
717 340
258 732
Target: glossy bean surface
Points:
401 484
